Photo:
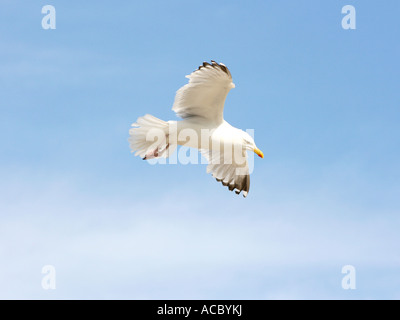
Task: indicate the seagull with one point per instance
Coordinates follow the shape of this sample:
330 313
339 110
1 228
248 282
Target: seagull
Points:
200 104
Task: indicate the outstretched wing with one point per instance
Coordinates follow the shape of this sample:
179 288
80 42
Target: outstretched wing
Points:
204 96
231 171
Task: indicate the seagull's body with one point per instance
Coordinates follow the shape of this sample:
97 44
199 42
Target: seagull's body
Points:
200 104
218 133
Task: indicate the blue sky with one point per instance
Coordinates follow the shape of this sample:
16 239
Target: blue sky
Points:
324 104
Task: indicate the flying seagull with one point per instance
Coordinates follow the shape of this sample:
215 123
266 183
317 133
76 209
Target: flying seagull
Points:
200 104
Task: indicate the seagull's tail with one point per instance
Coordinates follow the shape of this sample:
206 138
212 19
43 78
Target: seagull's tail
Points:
149 138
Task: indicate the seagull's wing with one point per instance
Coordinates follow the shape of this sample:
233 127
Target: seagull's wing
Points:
204 96
232 173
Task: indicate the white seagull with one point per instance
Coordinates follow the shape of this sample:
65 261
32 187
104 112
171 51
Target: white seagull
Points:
200 104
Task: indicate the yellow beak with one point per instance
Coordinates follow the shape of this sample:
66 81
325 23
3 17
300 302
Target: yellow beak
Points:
259 152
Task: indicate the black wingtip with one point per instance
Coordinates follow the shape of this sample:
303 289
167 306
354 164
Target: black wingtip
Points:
215 64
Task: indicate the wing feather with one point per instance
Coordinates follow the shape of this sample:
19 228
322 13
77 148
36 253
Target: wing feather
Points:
234 174
204 96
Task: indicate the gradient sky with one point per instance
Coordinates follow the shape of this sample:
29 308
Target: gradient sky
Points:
324 104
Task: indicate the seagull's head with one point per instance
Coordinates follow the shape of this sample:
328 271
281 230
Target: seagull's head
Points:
249 144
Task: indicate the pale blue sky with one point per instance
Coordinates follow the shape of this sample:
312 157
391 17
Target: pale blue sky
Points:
324 104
